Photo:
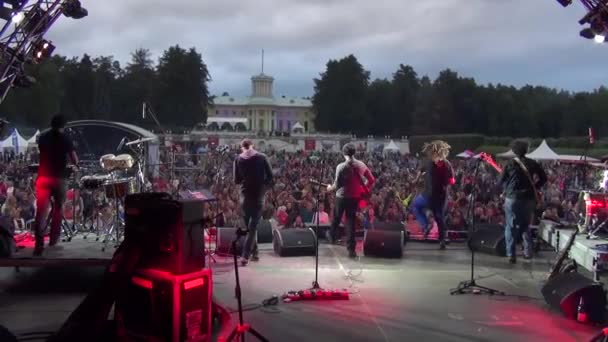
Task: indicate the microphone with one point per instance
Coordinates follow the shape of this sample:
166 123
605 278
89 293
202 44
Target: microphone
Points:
122 144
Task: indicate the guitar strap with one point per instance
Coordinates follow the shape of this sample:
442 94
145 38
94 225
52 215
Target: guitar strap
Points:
525 169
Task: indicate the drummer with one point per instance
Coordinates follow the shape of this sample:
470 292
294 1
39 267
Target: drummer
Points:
55 150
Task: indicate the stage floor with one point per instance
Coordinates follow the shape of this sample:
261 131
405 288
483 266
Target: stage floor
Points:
392 300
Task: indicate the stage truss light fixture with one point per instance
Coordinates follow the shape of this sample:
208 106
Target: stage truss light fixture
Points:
22 36
43 50
73 9
596 18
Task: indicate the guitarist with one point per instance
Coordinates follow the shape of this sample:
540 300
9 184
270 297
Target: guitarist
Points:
352 183
521 196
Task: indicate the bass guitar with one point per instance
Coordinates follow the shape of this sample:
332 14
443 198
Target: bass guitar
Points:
365 196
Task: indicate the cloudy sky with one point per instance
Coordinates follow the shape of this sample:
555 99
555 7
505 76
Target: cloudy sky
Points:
500 41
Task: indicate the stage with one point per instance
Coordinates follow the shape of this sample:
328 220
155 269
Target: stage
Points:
392 300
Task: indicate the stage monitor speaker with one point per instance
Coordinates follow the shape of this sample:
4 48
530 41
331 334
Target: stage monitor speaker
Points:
383 243
294 242
159 306
264 231
564 293
389 226
169 231
225 236
489 239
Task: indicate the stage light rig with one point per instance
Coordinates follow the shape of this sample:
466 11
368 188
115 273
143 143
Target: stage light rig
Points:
22 37
596 19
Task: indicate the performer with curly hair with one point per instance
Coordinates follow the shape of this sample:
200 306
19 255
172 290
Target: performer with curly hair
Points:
438 176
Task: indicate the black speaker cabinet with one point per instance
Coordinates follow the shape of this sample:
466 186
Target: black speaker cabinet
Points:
564 292
264 231
169 231
294 242
383 243
225 236
159 306
488 238
389 226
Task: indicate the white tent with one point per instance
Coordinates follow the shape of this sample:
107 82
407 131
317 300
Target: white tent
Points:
32 140
508 154
577 158
297 126
391 147
543 152
15 141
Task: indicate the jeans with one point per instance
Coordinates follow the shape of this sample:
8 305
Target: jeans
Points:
252 212
348 206
47 188
518 213
421 205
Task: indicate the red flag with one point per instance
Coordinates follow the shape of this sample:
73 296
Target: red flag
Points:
591 136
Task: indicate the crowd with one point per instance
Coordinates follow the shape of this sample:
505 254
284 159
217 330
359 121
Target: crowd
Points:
292 200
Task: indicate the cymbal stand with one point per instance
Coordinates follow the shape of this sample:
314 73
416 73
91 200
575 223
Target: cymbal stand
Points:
117 224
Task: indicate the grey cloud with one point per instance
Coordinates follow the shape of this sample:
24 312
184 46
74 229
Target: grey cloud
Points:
507 41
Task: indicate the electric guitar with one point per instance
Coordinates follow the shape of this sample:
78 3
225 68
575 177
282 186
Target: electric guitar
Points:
563 254
538 196
365 196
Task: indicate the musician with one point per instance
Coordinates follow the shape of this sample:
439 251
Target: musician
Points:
55 150
520 197
253 173
353 181
438 176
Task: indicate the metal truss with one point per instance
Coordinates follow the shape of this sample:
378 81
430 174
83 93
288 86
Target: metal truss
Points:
17 45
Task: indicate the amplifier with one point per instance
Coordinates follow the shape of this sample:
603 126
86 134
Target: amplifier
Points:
160 306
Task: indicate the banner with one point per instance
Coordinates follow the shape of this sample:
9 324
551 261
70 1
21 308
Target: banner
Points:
310 144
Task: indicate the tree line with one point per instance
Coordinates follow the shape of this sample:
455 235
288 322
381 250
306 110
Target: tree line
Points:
345 100
175 87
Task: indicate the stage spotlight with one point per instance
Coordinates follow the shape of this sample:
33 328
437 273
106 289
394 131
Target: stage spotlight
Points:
565 3
599 38
587 33
73 9
43 50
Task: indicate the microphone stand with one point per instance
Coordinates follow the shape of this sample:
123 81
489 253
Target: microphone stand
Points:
470 286
315 283
238 333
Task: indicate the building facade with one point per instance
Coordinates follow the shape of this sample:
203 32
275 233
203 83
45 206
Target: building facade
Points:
262 111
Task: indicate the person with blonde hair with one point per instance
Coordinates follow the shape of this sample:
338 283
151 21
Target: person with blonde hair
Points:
438 176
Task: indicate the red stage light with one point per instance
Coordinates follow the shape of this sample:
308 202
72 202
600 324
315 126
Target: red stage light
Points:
194 283
147 284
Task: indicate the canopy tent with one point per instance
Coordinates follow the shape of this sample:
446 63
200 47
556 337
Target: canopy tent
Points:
15 141
508 154
297 127
468 154
32 140
543 152
391 147
577 158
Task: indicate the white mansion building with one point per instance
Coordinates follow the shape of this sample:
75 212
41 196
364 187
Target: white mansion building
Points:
261 111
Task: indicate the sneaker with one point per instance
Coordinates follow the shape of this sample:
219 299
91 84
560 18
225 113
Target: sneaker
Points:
512 260
255 258
244 262
442 245
527 257
38 251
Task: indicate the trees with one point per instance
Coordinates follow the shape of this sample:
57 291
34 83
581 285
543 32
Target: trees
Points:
98 88
412 105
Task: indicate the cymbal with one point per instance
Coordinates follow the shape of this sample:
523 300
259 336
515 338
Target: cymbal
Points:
139 141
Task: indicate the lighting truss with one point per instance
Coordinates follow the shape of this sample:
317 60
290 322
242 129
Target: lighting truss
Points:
19 40
596 18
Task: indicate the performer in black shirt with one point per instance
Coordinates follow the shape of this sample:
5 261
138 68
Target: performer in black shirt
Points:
253 172
352 183
521 179
438 175
55 150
